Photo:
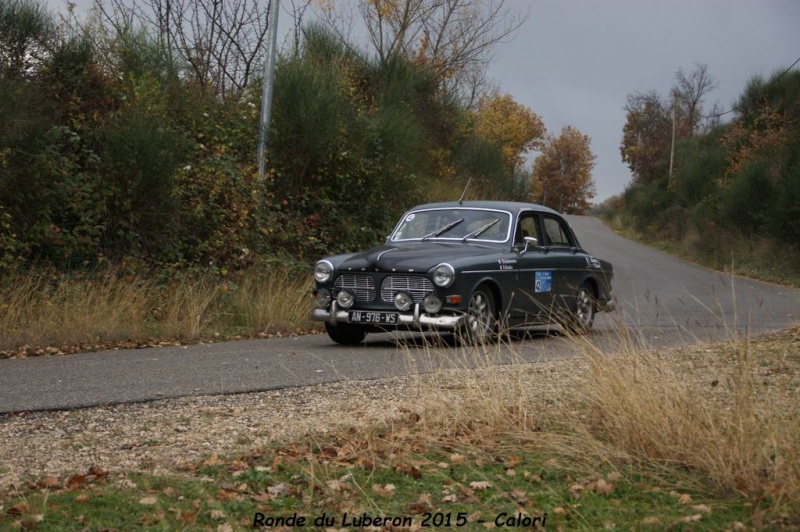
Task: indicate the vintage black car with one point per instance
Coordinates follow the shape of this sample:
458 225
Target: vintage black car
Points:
468 267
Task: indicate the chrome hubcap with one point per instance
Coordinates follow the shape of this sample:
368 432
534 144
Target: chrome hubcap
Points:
585 309
480 314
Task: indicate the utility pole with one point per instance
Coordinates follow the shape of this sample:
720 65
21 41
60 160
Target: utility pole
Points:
672 149
269 76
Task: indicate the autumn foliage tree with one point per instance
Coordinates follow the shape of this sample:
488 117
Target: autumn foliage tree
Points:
511 125
651 121
563 172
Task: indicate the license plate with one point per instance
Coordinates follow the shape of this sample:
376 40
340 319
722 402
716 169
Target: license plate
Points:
388 318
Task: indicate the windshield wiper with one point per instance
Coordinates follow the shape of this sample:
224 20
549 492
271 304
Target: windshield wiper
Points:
443 230
481 230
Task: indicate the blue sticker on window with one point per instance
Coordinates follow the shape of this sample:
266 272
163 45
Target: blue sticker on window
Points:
544 281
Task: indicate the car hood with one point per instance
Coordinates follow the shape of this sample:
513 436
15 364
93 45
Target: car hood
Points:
417 258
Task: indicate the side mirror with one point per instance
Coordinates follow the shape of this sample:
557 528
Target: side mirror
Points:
530 241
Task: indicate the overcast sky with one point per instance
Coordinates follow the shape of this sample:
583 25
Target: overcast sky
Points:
574 61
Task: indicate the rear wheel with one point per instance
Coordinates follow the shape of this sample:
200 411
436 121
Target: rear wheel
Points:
345 334
581 320
480 322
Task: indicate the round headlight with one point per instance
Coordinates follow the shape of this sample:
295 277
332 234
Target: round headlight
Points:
403 301
345 299
432 304
323 271
443 275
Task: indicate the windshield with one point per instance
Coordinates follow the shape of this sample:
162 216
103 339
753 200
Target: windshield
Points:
478 225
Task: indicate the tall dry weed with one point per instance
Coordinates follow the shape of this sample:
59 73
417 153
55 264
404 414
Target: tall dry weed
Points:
41 310
272 301
726 414
718 418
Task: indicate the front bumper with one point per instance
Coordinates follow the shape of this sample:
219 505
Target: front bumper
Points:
416 320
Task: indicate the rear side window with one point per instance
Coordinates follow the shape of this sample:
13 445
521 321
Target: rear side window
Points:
557 234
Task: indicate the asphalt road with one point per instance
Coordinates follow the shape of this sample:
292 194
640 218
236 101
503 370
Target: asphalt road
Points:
662 301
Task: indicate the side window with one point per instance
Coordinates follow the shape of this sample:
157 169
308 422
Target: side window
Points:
556 233
528 225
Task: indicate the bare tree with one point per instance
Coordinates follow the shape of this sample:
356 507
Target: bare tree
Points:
690 89
221 41
454 38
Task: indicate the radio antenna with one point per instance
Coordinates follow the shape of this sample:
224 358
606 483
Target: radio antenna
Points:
461 199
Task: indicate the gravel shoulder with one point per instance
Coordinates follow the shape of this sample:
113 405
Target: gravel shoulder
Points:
163 436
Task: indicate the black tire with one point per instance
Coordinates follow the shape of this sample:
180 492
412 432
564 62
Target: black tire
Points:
345 334
480 323
580 320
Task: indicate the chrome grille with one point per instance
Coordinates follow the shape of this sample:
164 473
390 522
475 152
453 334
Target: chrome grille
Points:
418 287
361 286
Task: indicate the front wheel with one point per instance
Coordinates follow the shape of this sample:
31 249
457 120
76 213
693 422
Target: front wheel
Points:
480 322
345 334
581 320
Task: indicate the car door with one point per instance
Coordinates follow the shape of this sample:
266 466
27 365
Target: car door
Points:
570 265
536 270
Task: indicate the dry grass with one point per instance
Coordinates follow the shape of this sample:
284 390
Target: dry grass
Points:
43 310
726 416
721 416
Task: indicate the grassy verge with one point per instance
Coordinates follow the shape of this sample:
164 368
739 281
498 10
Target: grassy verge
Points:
698 438
42 313
720 249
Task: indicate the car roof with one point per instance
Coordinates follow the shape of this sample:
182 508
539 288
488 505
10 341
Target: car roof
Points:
511 206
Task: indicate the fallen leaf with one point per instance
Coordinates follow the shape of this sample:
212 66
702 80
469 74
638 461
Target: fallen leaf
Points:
603 488
277 489
18 509
49 483
98 471
412 471
187 516
337 486
480 485
76 481
425 499
473 517
212 460
519 496
449 499
575 490
701 508
456 459
692 518
685 499
82 498
148 501
385 491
